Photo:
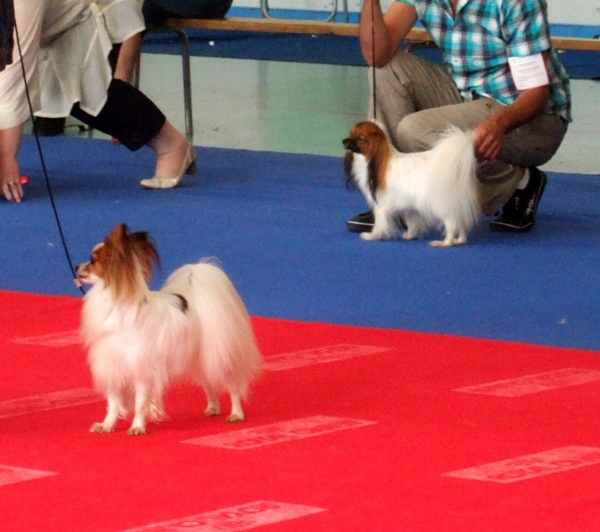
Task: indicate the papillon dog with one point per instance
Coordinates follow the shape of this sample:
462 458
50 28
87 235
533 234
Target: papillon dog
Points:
139 341
437 187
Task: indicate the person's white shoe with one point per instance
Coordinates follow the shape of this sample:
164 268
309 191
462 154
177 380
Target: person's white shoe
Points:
187 167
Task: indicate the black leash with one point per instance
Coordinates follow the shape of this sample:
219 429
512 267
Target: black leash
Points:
373 68
43 162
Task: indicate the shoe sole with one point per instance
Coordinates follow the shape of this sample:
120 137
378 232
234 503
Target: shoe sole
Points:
358 227
541 190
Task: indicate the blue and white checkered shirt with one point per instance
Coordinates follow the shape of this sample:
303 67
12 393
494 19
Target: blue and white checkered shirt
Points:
478 41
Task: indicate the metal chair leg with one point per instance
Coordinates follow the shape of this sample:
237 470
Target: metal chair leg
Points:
186 73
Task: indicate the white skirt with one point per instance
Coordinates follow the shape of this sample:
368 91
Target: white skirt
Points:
65 46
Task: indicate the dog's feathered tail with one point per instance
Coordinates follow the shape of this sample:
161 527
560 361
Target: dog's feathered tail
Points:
231 357
454 175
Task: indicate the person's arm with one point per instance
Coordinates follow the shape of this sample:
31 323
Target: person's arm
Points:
490 133
10 177
380 35
15 111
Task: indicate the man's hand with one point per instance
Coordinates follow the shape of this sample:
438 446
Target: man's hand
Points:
488 137
489 134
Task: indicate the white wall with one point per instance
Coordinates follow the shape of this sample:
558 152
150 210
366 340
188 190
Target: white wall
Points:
574 12
560 11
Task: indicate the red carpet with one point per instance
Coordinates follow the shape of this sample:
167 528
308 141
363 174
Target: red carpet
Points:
348 429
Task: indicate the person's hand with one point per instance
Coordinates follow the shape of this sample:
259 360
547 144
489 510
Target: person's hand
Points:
10 179
488 137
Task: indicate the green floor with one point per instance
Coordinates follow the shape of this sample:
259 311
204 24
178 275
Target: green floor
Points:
263 105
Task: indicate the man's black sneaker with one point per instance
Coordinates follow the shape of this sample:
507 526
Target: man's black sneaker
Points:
518 215
362 223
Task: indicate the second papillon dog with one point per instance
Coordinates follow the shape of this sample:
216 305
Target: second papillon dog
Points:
196 328
434 188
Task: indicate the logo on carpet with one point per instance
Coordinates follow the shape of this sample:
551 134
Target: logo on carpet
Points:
12 475
52 340
49 401
320 355
244 517
284 431
539 382
532 465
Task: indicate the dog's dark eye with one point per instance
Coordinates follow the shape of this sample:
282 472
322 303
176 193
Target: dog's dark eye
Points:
92 260
360 138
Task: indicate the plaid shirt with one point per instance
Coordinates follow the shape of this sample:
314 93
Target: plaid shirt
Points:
478 41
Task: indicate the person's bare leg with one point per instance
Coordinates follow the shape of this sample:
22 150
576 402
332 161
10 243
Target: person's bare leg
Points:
175 157
129 56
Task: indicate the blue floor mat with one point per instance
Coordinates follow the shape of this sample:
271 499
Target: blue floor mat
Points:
277 223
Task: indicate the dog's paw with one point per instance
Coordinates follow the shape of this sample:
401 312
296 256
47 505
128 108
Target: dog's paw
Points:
212 410
156 413
235 418
136 431
408 235
440 244
370 237
99 428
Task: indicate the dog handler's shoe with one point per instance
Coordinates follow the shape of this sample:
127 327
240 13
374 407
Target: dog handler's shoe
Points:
362 223
518 215
188 167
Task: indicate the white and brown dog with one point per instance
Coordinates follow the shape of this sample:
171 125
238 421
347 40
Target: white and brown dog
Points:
196 328
437 187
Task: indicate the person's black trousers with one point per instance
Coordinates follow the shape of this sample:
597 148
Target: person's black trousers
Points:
128 115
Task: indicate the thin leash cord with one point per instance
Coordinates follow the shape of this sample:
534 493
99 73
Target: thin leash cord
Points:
373 69
41 154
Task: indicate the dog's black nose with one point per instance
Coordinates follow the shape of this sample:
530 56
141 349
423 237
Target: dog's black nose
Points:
350 145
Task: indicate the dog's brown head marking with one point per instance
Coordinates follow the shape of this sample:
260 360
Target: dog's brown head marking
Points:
122 261
368 139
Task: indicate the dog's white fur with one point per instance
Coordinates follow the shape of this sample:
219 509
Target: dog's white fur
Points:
195 328
431 188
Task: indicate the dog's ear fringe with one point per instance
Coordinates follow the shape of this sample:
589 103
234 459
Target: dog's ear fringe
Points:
131 259
145 251
348 161
378 160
